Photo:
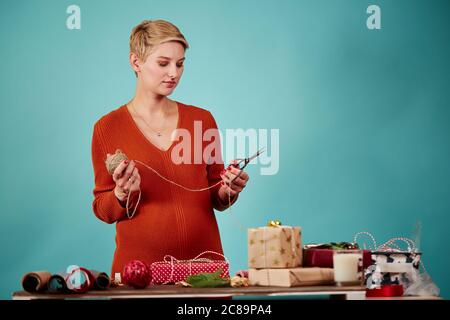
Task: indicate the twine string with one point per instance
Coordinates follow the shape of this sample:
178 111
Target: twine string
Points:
355 238
389 245
293 246
175 183
113 161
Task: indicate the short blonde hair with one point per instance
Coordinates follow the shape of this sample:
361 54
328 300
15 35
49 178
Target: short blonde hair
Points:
150 33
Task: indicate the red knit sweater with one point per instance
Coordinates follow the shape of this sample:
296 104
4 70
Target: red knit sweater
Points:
169 220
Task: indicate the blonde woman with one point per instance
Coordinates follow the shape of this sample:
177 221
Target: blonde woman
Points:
169 219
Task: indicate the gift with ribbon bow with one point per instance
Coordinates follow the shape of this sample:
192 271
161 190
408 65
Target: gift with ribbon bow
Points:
396 269
321 255
392 265
274 246
171 270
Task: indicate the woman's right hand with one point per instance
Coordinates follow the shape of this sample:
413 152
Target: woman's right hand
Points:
127 179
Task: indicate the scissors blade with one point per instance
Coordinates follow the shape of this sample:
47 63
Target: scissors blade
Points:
247 161
257 154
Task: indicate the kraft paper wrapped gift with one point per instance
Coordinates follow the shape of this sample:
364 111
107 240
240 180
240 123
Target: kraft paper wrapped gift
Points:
274 247
294 277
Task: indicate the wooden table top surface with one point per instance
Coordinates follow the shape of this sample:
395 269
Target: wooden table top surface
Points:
178 291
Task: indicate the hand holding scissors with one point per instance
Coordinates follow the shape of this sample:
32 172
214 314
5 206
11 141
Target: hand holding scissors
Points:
234 177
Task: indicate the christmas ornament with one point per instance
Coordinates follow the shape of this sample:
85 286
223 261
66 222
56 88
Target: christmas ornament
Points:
136 274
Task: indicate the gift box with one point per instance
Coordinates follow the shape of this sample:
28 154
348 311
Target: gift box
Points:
293 277
172 270
392 268
274 247
323 258
396 263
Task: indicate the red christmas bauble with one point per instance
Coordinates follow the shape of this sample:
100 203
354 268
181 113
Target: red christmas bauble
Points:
136 274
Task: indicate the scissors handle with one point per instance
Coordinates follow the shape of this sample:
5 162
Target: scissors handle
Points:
239 163
246 162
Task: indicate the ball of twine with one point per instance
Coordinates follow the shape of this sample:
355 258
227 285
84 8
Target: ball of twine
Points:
113 161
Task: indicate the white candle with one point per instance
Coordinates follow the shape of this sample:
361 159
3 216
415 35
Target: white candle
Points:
346 265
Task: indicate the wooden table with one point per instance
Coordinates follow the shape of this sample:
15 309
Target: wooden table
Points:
172 291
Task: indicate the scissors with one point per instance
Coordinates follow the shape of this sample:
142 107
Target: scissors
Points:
246 161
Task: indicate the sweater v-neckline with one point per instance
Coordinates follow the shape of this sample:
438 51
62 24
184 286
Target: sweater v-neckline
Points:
140 133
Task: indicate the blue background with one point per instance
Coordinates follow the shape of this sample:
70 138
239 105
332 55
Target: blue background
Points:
363 118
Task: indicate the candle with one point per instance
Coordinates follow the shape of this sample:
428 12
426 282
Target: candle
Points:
347 265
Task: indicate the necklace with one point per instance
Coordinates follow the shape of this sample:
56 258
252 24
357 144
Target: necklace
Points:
158 133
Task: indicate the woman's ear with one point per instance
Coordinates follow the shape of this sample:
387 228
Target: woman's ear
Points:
134 62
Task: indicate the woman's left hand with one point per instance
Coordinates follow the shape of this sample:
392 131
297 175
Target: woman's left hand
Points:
235 187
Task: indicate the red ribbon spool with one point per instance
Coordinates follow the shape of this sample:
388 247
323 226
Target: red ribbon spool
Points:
394 290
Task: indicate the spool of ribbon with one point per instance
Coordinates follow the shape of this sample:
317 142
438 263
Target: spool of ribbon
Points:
101 280
79 280
35 281
385 291
57 283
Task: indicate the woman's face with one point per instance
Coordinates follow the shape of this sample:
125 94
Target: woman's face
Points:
162 70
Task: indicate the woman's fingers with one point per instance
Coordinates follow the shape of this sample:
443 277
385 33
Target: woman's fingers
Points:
135 181
127 179
234 179
240 181
227 180
243 175
117 174
129 170
229 191
123 175
132 178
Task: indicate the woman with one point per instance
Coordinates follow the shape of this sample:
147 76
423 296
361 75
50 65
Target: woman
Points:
169 220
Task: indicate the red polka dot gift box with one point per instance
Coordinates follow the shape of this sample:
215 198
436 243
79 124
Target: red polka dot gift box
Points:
171 270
